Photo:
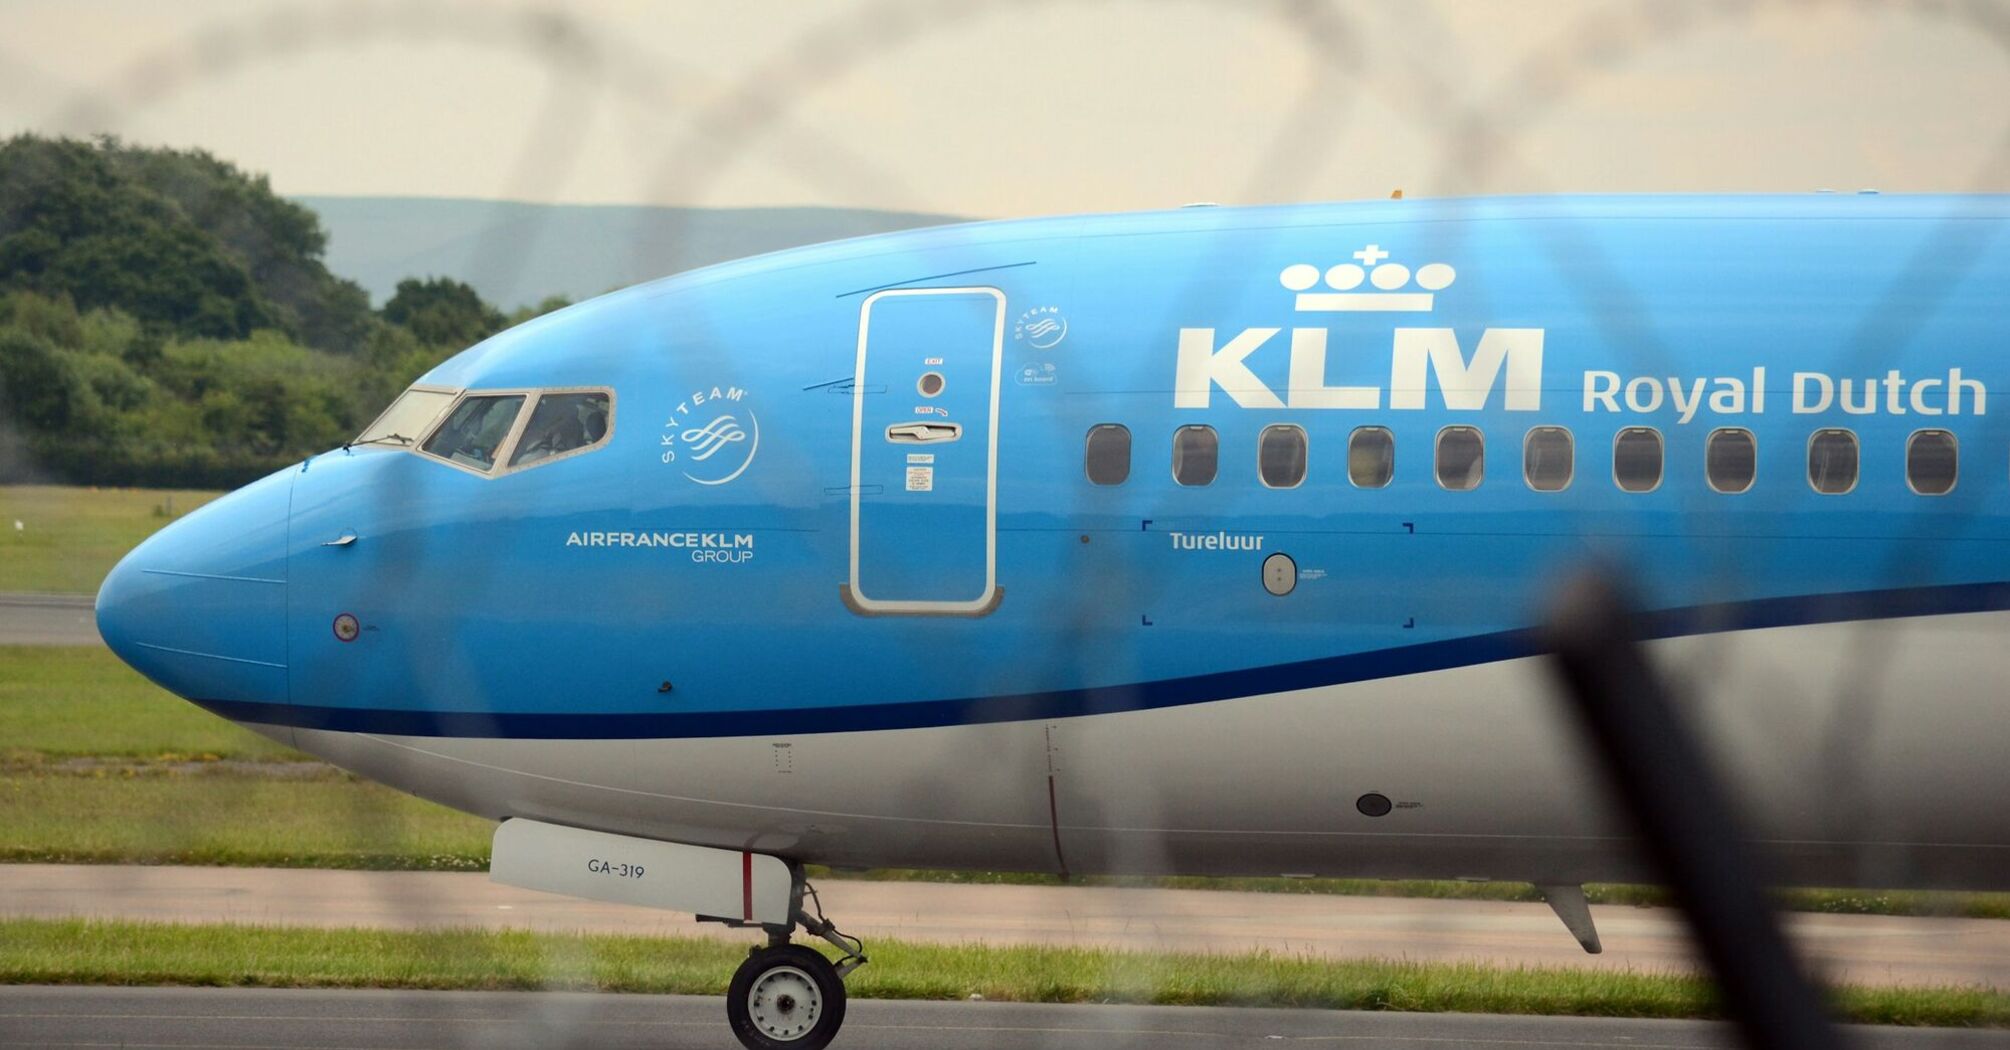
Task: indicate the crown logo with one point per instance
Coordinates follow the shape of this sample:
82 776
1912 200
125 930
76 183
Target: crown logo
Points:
1389 279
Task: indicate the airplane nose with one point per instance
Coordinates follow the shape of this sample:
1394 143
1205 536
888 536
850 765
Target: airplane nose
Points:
200 607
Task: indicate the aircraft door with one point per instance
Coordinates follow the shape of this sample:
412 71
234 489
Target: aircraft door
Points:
924 454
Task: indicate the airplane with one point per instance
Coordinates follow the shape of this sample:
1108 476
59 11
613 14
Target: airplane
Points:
1210 541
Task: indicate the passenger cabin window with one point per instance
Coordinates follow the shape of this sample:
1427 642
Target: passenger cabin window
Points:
1280 456
1106 454
1461 457
1196 455
561 423
475 430
1371 457
1832 461
1931 462
406 420
1547 455
1636 459
1731 459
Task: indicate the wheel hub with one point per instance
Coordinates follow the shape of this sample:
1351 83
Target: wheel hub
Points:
783 1003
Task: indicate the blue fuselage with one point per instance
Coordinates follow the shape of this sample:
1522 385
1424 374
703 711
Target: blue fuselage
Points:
785 533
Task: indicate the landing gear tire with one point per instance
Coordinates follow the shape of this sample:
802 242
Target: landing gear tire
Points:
785 997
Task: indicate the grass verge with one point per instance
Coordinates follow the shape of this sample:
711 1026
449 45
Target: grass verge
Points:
1930 903
95 952
70 537
147 816
66 701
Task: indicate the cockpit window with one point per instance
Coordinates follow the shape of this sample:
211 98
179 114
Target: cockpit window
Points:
406 420
476 430
561 423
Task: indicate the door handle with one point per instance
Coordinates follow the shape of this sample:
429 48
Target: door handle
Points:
347 538
923 433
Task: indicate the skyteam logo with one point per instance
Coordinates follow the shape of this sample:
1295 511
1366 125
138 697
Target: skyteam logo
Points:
712 435
1508 358
707 440
1042 328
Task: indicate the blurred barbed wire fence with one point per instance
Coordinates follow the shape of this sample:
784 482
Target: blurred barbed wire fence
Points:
703 128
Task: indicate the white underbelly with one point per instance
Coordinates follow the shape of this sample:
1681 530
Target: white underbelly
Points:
1874 753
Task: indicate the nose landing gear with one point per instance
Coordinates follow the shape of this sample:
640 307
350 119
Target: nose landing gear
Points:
785 996
788 996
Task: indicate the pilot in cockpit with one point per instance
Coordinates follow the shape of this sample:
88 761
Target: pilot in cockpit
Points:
560 424
478 425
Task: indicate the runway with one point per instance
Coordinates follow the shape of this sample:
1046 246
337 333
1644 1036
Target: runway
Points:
33 1016
48 619
1867 949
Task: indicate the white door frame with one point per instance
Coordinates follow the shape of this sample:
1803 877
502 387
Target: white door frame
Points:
986 601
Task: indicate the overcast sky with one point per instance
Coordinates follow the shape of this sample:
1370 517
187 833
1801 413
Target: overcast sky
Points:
1016 108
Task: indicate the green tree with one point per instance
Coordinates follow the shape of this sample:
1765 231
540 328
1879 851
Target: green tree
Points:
166 320
179 239
279 243
37 386
71 226
441 311
548 304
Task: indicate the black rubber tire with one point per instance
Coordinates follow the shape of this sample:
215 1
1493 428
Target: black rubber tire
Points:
807 961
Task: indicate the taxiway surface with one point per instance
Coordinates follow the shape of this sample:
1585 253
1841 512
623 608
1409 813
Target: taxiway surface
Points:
48 619
377 1020
1867 949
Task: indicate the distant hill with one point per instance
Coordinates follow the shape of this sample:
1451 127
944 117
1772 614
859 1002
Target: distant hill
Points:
515 253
